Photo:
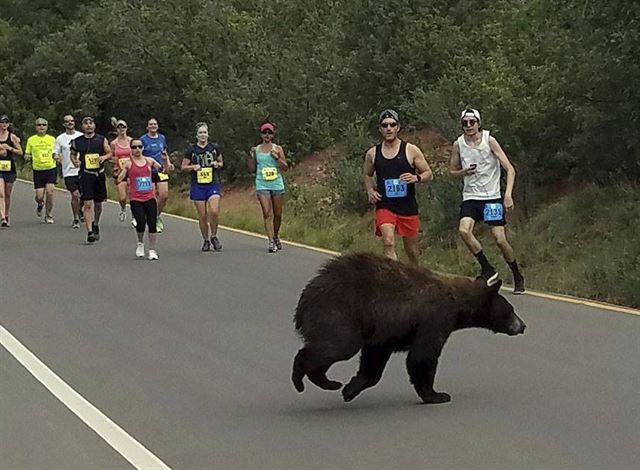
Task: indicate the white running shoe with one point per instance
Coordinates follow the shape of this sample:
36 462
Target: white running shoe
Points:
133 223
140 250
153 255
122 216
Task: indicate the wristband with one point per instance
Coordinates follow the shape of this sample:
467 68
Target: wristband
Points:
419 178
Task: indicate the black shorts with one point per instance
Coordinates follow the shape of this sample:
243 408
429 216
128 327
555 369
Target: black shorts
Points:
93 188
474 208
8 177
42 178
155 177
72 183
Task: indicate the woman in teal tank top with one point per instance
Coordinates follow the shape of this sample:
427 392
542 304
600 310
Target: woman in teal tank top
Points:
268 162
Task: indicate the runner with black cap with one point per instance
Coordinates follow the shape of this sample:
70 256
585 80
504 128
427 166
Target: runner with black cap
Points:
10 143
398 166
89 152
477 157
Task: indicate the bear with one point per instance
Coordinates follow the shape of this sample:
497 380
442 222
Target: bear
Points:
364 302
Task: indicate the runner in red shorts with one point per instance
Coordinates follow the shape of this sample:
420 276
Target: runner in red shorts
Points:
397 166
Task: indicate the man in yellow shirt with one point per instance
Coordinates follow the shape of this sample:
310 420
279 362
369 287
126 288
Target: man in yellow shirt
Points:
40 149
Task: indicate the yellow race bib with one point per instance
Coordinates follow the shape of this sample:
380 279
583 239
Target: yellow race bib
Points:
205 175
269 173
92 161
122 162
163 176
5 165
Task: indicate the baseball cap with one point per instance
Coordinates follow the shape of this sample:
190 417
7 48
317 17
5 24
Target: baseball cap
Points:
267 125
388 113
470 112
121 122
87 119
4 117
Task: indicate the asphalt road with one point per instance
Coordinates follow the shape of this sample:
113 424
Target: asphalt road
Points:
191 355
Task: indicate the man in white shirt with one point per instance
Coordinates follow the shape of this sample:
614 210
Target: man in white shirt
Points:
69 171
477 157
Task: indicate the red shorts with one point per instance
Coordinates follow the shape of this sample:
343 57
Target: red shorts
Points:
406 225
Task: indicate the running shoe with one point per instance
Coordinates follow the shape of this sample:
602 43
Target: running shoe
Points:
153 255
217 246
518 285
123 216
48 219
91 237
140 250
159 225
490 276
206 245
272 247
96 231
39 209
278 243
4 223
134 224
75 223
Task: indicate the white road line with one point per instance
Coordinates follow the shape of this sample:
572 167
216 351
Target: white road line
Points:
138 455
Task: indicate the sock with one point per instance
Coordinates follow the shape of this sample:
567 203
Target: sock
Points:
482 259
514 268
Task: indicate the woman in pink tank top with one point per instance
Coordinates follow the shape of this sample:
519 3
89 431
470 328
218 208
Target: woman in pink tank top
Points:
121 150
142 196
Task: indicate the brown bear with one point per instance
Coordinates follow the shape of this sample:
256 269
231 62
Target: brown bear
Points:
380 306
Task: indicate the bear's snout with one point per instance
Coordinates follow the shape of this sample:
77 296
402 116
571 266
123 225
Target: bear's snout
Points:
517 326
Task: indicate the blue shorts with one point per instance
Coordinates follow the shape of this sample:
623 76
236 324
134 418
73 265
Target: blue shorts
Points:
269 192
8 177
202 192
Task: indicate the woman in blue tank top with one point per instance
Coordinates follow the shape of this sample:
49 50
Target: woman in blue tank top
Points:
267 161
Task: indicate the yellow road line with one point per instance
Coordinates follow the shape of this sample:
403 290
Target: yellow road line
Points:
544 295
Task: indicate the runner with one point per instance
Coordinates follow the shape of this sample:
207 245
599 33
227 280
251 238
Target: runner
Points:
267 161
40 149
204 160
142 198
477 157
11 146
62 151
120 147
155 146
398 166
89 152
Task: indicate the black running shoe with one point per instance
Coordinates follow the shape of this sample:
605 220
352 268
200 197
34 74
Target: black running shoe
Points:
490 276
206 246
4 223
518 285
276 240
217 246
271 247
96 231
39 209
91 237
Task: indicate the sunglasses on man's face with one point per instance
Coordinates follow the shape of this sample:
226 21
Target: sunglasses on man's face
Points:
469 123
40 124
386 125
137 147
268 132
68 122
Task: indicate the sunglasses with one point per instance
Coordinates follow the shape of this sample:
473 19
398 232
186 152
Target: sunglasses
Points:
122 127
137 146
5 121
40 124
268 132
68 122
469 123
386 125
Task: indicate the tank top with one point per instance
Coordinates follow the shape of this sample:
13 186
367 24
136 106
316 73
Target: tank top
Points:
397 196
204 156
7 162
122 156
89 149
268 175
141 187
485 183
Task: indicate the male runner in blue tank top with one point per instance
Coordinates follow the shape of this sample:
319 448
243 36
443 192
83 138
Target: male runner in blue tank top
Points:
397 166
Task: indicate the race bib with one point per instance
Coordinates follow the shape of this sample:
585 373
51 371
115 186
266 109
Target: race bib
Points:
143 184
395 188
122 162
205 175
269 173
92 161
163 176
5 165
493 211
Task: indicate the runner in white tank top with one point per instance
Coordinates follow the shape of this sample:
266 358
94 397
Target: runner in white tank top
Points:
477 157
